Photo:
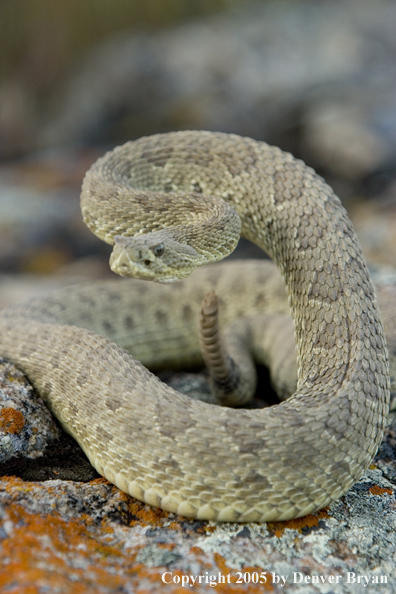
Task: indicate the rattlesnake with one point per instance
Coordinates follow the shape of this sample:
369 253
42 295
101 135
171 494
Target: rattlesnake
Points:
169 203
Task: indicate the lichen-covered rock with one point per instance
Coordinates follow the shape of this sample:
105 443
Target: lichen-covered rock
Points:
32 445
67 537
26 425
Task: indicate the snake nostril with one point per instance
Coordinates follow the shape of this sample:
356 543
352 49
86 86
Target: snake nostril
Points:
147 262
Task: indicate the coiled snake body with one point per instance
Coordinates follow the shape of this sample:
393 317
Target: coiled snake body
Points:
169 203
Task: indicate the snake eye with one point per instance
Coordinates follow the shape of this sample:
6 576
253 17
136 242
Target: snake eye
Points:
159 249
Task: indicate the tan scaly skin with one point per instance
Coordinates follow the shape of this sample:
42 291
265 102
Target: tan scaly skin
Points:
186 195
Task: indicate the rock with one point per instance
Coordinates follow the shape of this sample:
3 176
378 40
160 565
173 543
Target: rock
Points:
26 425
61 536
41 229
314 78
375 225
32 445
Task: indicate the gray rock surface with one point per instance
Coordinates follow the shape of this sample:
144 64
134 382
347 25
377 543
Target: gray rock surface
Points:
32 445
26 425
314 77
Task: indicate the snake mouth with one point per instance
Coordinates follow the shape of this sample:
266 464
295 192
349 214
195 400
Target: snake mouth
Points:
123 264
167 281
125 260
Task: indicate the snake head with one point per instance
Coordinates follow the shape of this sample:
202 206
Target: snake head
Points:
155 256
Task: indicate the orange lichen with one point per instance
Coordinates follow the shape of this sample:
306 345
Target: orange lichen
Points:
377 490
46 552
196 550
298 524
11 420
208 528
201 556
180 525
84 556
148 516
37 552
100 481
11 484
169 546
221 563
242 579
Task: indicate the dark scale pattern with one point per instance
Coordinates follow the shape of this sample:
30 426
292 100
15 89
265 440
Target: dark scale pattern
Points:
183 455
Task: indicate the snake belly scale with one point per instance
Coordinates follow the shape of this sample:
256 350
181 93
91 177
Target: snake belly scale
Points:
285 461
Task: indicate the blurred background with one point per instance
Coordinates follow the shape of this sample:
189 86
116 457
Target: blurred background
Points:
77 78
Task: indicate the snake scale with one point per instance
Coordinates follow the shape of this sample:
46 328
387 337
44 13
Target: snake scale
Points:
169 203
